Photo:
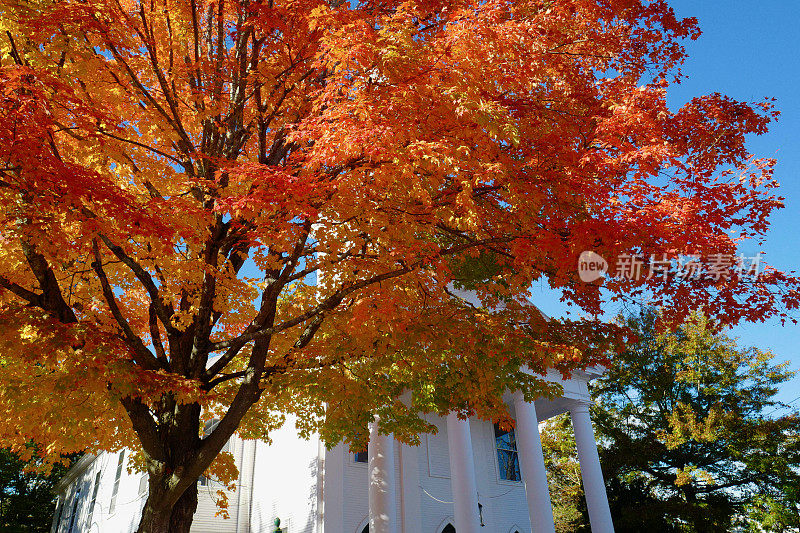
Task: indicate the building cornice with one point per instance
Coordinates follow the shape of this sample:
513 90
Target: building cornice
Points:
75 470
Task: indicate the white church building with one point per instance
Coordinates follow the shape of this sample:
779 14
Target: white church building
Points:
469 477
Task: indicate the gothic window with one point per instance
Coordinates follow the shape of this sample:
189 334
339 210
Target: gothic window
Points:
507 456
449 529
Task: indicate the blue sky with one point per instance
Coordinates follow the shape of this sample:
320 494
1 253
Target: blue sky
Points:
749 51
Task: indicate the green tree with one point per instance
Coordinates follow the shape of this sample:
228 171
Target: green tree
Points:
688 442
26 498
563 474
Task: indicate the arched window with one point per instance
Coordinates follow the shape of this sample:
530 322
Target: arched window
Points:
449 529
366 529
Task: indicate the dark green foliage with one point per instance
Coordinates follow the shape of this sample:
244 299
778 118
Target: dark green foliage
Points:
687 440
481 268
27 503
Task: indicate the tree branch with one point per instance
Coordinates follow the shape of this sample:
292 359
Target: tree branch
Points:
163 312
145 358
51 299
31 297
145 427
332 301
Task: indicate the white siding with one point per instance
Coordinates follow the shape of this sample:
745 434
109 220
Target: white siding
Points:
355 497
504 503
125 516
435 495
205 518
127 509
286 482
437 449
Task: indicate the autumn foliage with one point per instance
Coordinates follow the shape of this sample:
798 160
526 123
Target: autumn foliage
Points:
242 209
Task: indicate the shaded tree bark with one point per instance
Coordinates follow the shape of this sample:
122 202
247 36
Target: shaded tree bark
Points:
160 517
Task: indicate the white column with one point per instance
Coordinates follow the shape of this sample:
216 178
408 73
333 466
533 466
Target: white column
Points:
592 475
462 476
380 454
408 486
531 461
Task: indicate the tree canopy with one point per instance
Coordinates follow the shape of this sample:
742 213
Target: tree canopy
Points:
27 502
691 437
243 208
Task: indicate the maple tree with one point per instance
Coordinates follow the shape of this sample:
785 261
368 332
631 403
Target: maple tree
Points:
241 209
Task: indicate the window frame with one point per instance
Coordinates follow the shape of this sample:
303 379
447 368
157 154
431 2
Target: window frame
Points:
93 501
112 506
354 457
511 451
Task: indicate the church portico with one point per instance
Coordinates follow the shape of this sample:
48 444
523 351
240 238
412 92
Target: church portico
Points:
470 476
469 491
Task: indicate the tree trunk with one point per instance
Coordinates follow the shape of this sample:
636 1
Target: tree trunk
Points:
159 518
167 510
176 456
